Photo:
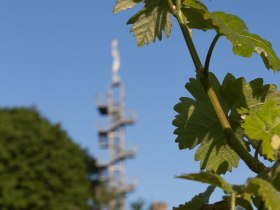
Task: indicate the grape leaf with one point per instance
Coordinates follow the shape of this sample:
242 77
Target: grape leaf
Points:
243 42
250 95
197 123
125 4
243 96
197 201
194 11
209 178
247 97
265 191
150 21
233 28
264 125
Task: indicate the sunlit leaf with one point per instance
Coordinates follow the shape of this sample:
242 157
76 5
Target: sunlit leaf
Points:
264 125
194 12
125 4
149 22
243 42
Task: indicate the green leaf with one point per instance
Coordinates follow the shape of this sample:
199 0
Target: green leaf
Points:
125 4
197 123
242 200
197 201
149 22
244 97
233 28
264 125
275 177
247 97
194 12
272 175
209 178
243 42
246 204
264 191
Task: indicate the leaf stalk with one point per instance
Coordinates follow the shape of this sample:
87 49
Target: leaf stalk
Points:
172 7
209 53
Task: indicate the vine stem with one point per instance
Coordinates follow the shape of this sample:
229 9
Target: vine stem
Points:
232 140
258 150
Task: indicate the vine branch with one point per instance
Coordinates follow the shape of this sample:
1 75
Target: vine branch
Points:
233 141
188 40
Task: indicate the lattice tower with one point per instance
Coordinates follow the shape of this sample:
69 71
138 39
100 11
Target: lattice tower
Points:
112 137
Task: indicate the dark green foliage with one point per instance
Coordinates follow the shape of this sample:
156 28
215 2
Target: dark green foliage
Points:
40 167
197 124
137 205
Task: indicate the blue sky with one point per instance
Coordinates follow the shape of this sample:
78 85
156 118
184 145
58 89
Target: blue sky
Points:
55 55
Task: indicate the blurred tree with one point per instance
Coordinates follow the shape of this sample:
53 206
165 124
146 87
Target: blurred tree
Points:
137 205
40 167
104 196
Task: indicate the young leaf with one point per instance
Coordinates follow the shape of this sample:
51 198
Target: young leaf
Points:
194 12
265 191
197 201
209 178
243 97
149 22
264 125
233 28
125 4
243 42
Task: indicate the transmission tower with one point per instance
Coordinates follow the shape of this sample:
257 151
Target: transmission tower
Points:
112 136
